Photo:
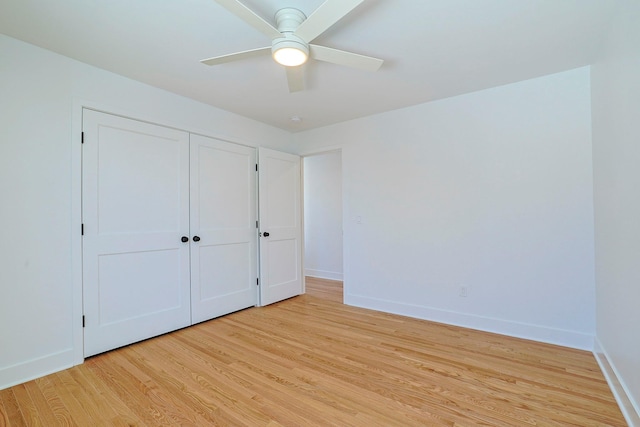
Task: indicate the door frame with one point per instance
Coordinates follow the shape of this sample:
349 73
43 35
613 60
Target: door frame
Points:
76 234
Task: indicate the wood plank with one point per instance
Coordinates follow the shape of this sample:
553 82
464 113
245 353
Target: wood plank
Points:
207 383
81 403
328 290
50 393
311 360
27 407
10 410
113 412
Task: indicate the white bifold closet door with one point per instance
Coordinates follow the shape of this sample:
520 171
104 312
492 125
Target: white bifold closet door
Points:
135 211
223 217
169 230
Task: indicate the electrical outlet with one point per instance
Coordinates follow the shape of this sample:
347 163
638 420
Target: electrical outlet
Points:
464 291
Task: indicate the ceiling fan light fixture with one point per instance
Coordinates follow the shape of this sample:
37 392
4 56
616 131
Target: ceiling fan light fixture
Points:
289 52
290 56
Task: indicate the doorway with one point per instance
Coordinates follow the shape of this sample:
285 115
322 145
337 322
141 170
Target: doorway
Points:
323 244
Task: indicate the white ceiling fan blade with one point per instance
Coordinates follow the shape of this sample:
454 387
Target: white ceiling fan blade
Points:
295 78
341 57
329 12
223 59
247 15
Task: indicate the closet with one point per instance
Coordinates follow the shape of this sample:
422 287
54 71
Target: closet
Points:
171 226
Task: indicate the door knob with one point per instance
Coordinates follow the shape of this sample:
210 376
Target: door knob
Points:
196 238
184 239
265 234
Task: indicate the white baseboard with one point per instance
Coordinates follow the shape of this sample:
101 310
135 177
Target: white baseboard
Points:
630 410
35 368
544 334
322 274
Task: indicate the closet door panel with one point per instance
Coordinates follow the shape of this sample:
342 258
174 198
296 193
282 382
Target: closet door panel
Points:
223 217
135 211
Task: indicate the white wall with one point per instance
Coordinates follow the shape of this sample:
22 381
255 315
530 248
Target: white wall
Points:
616 156
323 215
491 191
41 95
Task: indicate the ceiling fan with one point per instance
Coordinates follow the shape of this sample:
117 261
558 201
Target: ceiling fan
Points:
291 39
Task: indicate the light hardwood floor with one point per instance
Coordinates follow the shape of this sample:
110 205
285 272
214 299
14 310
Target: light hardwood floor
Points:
312 361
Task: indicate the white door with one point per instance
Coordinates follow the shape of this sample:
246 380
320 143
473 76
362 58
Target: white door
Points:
223 228
135 212
280 226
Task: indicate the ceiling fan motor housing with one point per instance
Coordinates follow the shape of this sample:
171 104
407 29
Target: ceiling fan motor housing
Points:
289 41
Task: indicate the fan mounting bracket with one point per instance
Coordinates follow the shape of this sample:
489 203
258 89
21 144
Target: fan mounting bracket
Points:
289 19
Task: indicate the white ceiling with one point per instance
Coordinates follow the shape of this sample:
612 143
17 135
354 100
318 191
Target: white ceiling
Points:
432 49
